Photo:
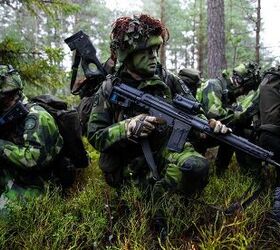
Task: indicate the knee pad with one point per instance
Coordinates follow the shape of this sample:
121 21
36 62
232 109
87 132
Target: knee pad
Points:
195 166
195 171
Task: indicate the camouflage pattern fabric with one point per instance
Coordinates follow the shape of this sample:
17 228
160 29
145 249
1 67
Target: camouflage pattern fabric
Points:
213 97
239 115
123 160
249 105
27 150
9 79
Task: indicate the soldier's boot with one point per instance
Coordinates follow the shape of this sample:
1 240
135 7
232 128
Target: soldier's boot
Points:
159 225
223 159
159 220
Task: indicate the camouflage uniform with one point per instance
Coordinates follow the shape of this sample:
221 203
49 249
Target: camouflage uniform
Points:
28 147
213 95
220 100
121 159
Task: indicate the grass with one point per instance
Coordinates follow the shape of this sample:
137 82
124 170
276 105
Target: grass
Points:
94 216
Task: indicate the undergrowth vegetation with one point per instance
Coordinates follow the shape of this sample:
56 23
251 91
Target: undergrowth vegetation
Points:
95 216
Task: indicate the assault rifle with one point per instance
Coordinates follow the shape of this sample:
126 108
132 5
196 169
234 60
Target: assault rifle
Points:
86 55
181 116
16 112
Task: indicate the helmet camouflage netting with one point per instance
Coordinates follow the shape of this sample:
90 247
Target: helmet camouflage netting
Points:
246 70
9 79
247 75
130 34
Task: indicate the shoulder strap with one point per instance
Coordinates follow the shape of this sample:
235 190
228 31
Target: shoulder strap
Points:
108 85
271 128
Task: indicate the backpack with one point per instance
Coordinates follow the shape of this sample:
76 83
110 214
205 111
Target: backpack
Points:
73 154
270 101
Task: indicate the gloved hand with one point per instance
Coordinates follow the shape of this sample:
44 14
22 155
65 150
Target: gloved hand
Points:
141 126
219 127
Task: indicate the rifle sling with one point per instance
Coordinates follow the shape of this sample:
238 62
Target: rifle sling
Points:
75 66
272 128
149 158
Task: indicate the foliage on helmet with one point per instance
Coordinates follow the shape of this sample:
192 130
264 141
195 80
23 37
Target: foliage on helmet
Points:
9 79
247 75
247 70
130 34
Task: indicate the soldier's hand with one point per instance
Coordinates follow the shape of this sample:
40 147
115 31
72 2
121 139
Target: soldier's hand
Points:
219 127
141 126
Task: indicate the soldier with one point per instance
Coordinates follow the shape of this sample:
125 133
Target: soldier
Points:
115 131
270 125
233 99
29 141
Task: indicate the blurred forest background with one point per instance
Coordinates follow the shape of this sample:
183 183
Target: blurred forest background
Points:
32 35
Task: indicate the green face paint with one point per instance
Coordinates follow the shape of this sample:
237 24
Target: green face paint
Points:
144 62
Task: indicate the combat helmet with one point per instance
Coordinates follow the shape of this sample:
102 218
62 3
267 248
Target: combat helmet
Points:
10 80
191 78
136 33
247 76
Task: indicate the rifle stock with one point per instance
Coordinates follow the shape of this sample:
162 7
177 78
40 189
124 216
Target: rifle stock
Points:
86 54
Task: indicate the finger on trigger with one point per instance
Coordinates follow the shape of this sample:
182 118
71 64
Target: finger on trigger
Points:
148 125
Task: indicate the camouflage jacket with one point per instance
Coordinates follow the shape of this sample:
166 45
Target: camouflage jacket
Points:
213 96
30 145
106 127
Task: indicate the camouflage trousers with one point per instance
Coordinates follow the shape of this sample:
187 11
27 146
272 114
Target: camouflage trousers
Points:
12 193
186 172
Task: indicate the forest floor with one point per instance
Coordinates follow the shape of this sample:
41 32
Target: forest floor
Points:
94 216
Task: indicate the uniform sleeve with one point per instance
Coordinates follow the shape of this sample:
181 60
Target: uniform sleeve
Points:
41 142
249 108
212 104
103 133
250 104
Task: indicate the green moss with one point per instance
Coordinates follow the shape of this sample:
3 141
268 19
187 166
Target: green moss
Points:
93 215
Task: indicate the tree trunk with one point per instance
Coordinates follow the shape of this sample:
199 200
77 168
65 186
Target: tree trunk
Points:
176 59
216 37
258 29
201 38
162 49
193 37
